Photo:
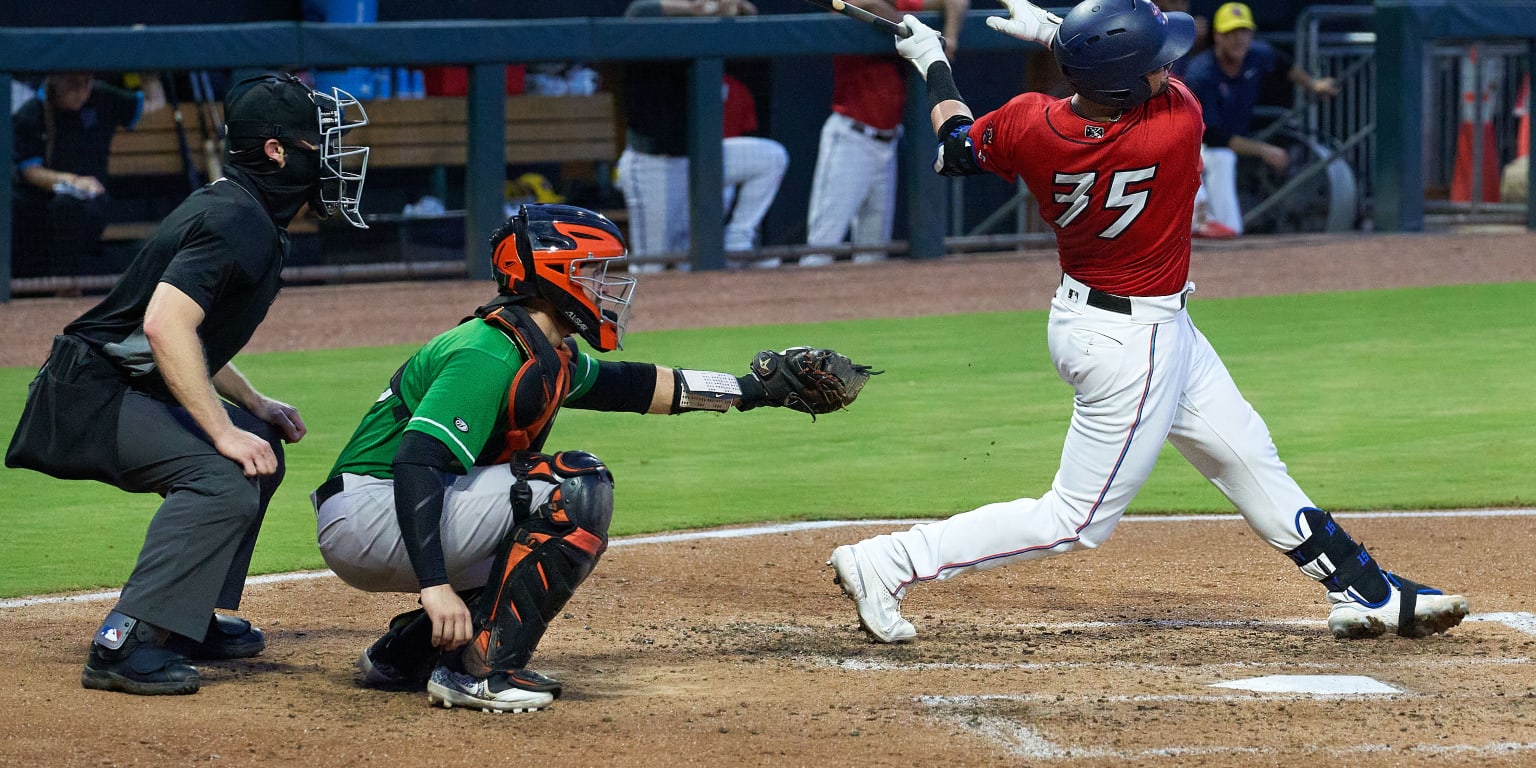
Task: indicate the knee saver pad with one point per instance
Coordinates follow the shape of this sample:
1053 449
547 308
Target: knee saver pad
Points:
1329 555
583 496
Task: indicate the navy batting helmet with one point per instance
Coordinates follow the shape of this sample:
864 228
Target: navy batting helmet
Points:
1106 48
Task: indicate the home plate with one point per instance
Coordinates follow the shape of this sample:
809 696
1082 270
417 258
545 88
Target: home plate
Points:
1320 684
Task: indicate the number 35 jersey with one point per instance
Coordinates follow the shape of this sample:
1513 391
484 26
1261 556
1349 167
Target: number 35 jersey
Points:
1119 195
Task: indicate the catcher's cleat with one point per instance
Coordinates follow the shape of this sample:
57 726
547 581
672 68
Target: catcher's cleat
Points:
402 658
530 680
374 673
138 665
879 610
229 637
495 694
1410 610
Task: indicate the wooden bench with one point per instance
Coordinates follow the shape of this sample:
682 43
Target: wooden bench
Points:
575 131
540 129
409 133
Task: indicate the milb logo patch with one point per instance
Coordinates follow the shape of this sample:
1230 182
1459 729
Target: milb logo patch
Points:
1093 131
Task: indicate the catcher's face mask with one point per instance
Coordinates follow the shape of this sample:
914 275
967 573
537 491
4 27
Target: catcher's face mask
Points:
342 166
605 297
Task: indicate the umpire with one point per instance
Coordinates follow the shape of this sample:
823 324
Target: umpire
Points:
139 392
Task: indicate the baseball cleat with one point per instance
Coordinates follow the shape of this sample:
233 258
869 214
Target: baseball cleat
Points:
530 680
1411 610
373 673
494 694
1215 230
879 610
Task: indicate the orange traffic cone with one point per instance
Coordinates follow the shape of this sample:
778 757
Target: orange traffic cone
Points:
1477 126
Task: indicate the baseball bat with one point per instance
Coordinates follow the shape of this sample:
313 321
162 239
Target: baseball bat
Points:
859 14
194 179
213 153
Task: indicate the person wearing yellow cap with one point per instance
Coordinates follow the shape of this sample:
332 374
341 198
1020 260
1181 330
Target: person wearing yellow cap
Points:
1227 79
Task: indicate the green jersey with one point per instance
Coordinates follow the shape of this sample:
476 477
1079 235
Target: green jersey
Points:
454 389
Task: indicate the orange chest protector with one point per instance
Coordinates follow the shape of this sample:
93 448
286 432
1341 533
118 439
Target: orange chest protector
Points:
539 386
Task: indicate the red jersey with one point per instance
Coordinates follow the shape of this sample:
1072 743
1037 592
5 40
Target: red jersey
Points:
740 110
872 89
1119 195
869 89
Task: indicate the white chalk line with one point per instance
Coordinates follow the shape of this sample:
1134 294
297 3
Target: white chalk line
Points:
781 528
1214 669
1020 740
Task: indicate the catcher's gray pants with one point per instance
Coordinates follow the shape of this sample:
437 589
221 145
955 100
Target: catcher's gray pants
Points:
198 545
359 535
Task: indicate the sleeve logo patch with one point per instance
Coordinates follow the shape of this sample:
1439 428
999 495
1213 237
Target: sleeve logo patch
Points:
460 424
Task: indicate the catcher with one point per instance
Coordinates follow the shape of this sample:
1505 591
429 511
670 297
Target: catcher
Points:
443 489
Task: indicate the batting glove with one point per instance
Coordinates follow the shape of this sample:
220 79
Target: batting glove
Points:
1027 21
923 47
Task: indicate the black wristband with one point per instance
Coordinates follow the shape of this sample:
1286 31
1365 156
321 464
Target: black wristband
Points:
752 393
941 84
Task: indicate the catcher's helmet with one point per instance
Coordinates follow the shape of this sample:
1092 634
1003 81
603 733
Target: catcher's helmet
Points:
1106 48
561 253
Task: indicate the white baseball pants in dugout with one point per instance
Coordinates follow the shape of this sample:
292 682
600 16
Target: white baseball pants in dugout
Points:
853 189
1218 187
655 191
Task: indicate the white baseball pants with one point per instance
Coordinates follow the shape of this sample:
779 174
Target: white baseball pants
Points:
1218 187
655 191
853 189
359 535
1138 380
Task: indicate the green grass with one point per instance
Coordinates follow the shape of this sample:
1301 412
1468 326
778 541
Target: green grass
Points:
1378 400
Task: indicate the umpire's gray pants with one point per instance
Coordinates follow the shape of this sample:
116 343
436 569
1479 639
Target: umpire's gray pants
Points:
198 545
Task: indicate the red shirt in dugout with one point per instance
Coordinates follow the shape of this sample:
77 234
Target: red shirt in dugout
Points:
869 89
1119 195
872 89
740 110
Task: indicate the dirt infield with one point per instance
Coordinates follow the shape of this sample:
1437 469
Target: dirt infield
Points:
738 650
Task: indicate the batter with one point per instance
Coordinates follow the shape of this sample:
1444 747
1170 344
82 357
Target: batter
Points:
1115 168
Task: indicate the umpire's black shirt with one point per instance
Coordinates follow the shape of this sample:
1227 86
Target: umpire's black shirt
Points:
220 247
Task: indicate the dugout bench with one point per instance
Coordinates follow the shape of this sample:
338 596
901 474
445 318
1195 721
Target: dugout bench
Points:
579 133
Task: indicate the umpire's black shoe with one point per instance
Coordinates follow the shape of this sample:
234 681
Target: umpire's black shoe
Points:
229 637
140 666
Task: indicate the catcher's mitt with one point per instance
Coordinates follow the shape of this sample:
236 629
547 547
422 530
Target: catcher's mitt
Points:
807 379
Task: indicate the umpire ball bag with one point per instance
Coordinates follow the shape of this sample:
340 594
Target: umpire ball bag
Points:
68 428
